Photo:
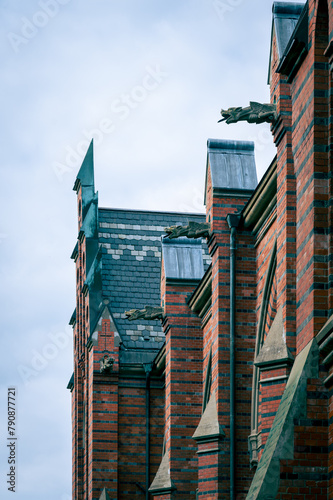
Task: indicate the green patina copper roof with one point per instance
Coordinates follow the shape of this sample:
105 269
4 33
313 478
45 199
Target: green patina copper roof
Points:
85 177
85 180
75 252
94 284
95 269
70 384
73 318
90 223
89 230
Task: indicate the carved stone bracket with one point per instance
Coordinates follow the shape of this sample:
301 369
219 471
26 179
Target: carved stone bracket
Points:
192 230
254 441
255 113
148 313
106 364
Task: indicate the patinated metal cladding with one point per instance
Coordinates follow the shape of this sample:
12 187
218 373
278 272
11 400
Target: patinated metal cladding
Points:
285 19
182 259
232 166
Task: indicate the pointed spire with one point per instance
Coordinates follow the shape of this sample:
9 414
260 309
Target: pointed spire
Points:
85 177
104 495
85 180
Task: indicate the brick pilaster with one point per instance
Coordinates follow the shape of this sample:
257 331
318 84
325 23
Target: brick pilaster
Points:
286 202
219 205
183 386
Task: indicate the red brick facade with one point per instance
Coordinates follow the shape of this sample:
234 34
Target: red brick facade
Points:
236 402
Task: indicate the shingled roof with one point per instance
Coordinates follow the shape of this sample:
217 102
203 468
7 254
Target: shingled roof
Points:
131 241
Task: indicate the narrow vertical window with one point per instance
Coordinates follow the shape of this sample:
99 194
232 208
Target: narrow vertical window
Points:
208 383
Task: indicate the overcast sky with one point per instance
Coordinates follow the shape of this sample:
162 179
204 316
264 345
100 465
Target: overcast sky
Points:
147 80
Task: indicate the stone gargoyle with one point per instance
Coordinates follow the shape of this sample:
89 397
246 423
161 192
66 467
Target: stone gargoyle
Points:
148 313
192 230
255 113
106 364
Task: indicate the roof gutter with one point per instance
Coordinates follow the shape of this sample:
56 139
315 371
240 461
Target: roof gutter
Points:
233 222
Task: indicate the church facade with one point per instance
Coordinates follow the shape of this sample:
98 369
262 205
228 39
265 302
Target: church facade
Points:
203 363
